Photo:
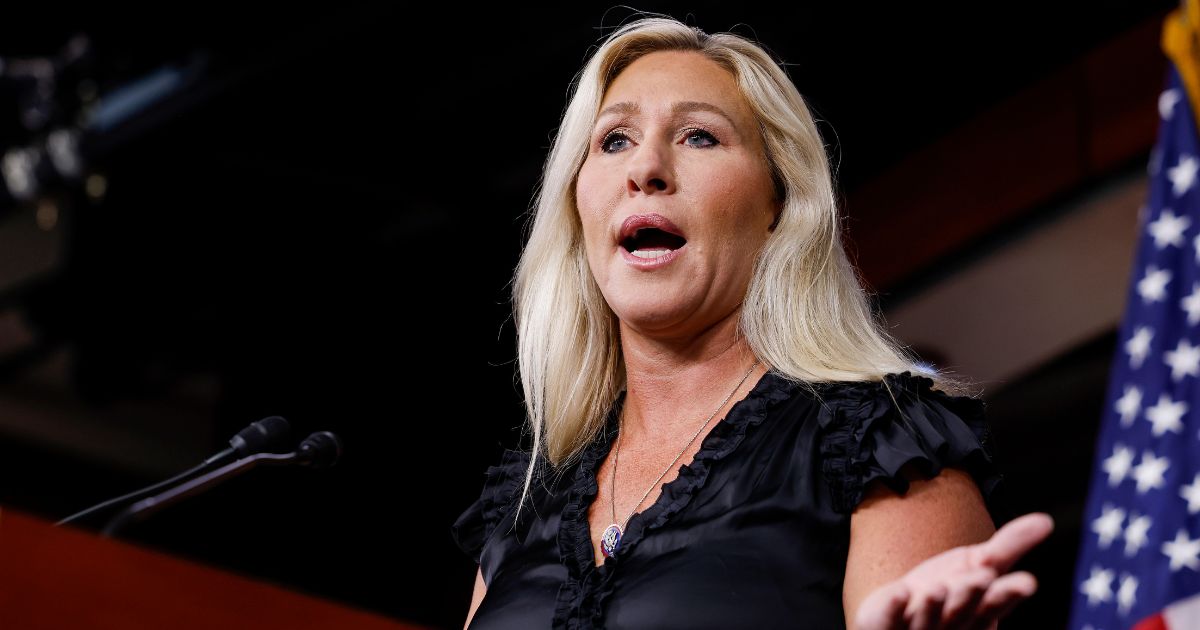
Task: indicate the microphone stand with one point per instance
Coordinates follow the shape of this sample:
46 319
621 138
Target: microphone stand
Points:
319 450
146 507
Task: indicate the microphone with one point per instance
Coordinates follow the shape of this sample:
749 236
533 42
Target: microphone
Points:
266 434
319 450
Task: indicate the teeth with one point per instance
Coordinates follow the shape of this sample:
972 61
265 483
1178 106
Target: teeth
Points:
650 253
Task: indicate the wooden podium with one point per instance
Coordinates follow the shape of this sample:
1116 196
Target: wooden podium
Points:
63 577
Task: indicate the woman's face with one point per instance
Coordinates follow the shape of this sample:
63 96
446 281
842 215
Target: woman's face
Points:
674 138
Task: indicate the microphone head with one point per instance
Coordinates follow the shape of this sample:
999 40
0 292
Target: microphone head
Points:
320 450
266 434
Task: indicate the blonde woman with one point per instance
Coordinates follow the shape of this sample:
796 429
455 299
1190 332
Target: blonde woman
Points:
723 435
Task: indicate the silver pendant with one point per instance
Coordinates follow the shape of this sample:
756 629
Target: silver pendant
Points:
611 540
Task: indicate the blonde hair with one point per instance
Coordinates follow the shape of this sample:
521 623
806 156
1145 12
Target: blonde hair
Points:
806 313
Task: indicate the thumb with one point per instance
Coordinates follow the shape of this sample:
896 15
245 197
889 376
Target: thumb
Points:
1013 540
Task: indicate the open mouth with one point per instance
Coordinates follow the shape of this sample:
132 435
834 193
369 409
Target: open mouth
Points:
651 242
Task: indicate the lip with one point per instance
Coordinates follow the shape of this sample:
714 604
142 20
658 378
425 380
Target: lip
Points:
635 222
651 263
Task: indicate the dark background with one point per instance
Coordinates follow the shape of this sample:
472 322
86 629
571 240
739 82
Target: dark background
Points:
326 227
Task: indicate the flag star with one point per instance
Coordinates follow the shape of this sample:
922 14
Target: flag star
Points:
1184 360
1165 415
1191 305
1183 552
1183 174
1153 286
1149 473
1108 525
1126 593
1098 586
1168 229
1138 346
1191 492
1135 533
1117 465
1166 103
1129 404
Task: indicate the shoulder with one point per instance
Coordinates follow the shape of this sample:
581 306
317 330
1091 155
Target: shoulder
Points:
896 430
501 489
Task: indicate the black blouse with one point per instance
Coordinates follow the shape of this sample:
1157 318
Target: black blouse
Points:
753 533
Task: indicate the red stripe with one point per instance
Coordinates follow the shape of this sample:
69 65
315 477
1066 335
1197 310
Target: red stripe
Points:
1153 622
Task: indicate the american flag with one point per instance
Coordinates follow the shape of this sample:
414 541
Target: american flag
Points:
1139 560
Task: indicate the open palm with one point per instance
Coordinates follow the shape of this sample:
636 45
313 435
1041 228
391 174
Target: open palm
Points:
964 588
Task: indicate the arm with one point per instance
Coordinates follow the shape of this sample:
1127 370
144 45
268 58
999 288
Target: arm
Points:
476 597
891 534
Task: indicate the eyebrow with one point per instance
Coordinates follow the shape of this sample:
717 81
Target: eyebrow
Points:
626 107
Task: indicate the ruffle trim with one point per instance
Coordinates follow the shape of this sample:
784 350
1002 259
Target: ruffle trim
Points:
866 439
582 596
501 485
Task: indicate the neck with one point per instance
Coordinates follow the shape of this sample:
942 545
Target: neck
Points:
674 384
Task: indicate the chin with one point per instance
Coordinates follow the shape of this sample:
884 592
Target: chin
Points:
652 314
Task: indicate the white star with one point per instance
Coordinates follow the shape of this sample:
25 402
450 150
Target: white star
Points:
1126 593
1183 174
1165 415
1138 346
1168 229
1098 586
1184 360
1108 525
1191 305
1135 533
1118 464
1153 286
1182 551
1149 473
1129 404
1192 494
1166 103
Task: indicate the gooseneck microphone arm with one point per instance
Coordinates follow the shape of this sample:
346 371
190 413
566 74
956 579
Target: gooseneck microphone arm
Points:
264 434
144 508
319 450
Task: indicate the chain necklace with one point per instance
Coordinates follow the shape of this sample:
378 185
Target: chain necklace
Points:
612 535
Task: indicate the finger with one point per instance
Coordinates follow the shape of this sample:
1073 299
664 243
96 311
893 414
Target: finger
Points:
965 596
883 609
925 609
1012 541
1002 596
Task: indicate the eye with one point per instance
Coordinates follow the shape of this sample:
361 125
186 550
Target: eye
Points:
611 135
693 133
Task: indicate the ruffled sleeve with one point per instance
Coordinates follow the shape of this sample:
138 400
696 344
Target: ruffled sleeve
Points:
868 436
501 488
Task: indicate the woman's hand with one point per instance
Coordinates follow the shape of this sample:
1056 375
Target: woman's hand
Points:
965 588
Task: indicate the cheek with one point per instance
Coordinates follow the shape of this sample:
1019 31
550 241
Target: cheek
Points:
592 210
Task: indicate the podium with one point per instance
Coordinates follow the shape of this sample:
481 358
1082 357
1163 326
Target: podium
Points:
64 577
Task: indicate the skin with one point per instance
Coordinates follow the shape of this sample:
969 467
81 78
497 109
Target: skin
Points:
924 560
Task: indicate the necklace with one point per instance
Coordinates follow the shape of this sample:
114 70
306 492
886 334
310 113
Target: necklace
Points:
611 540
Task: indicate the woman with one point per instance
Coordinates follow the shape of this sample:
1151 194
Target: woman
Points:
724 436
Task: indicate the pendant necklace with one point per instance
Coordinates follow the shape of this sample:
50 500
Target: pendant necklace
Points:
611 540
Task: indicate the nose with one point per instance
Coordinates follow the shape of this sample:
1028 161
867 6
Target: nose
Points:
650 171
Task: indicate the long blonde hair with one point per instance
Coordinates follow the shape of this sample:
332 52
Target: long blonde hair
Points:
806 312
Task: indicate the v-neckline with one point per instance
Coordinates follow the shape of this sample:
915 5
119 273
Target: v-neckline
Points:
586 488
